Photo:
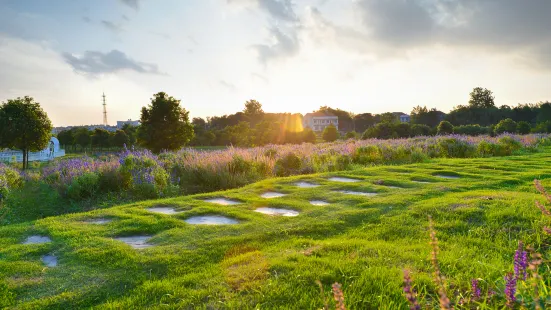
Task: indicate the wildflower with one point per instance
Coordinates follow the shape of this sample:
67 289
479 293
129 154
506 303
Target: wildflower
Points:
410 293
475 289
338 295
438 278
510 289
521 262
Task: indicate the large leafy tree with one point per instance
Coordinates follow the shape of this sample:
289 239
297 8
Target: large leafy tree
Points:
83 137
164 124
100 138
120 138
330 133
24 126
481 98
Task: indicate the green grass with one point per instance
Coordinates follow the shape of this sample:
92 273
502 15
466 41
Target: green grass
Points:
273 262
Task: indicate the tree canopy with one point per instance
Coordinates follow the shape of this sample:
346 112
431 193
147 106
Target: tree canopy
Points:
164 124
24 126
481 98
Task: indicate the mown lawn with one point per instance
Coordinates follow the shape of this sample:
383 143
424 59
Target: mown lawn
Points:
267 262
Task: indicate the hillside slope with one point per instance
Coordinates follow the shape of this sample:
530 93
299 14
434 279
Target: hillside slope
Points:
481 207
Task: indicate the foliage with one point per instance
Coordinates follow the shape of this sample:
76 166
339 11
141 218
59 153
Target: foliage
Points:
100 138
24 126
120 139
506 125
164 124
330 133
253 107
423 116
288 165
420 130
523 128
351 135
481 98
471 130
444 128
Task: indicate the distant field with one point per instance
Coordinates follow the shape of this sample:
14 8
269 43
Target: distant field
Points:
481 207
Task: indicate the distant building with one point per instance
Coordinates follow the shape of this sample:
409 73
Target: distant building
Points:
52 151
317 121
404 118
130 122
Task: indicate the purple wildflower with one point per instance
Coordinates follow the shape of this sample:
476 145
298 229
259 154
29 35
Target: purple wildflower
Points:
409 292
521 262
475 289
510 289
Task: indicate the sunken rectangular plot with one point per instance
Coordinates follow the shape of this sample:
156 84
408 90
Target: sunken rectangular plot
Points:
222 201
306 185
163 210
346 192
319 203
343 180
269 195
211 220
277 211
49 260
447 176
137 242
36 239
100 221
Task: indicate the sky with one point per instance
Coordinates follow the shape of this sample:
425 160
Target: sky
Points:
291 55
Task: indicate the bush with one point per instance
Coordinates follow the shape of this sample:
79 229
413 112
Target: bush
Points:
309 136
523 128
368 155
330 133
471 130
506 125
9 179
351 135
509 145
544 127
288 165
444 128
451 147
84 186
380 131
420 130
402 130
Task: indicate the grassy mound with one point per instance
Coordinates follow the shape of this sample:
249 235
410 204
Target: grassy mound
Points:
373 226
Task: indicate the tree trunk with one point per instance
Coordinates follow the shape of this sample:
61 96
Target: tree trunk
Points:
24 159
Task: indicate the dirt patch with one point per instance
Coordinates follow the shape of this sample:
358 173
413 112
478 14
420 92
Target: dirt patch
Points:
311 250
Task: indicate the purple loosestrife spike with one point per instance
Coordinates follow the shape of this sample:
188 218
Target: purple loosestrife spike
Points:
438 278
510 289
338 295
411 296
521 262
533 266
475 289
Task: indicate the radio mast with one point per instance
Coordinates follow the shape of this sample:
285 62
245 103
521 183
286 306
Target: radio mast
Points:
104 111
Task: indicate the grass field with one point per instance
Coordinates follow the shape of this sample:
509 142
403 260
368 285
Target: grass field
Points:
267 262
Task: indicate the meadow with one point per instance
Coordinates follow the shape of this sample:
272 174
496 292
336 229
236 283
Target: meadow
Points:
360 227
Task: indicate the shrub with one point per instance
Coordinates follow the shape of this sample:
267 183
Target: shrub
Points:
509 145
523 128
444 128
84 186
402 130
506 125
330 133
420 130
270 153
309 136
370 154
9 179
452 147
7 298
471 130
544 127
288 165
351 135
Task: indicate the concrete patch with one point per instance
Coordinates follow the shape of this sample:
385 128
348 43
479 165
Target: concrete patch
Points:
163 210
100 221
319 203
277 211
357 193
211 220
49 260
306 185
37 240
344 180
137 242
269 195
223 201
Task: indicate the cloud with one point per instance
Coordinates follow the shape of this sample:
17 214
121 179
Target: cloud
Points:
86 19
95 63
277 9
283 45
502 26
117 28
135 4
227 85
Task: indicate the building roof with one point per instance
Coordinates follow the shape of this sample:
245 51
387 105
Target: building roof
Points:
322 114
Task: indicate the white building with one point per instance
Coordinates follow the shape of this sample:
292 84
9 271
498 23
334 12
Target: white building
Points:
130 122
404 118
317 121
52 151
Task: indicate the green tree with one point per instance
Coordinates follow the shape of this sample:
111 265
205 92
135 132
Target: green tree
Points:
389 118
330 133
131 132
523 128
363 121
253 107
164 124
83 137
66 137
120 139
420 130
424 116
481 98
24 126
308 136
351 135
506 125
444 128
100 138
